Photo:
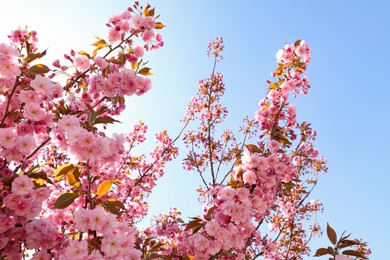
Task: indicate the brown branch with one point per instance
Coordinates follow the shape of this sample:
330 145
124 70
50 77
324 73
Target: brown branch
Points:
33 153
9 100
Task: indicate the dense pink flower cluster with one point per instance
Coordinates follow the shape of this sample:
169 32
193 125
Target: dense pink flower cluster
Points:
69 191
53 154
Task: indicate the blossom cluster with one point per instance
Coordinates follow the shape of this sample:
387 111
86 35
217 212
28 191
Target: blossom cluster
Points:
266 183
67 189
70 191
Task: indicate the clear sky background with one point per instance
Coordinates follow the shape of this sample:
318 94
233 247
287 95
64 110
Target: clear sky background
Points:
347 105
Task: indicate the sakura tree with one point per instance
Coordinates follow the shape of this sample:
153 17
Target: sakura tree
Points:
70 191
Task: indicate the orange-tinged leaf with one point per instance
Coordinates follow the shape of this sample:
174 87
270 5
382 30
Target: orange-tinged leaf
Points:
159 26
34 56
145 71
104 187
134 65
272 86
61 171
101 43
65 200
38 69
146 10
84 53
72 177
279 71
151 12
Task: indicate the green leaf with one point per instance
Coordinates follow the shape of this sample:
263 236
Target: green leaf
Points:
38 69
331 234
104 187
65 200
114 206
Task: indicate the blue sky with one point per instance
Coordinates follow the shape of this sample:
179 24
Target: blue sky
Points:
347 105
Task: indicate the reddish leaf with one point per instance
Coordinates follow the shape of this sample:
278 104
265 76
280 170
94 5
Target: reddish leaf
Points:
253 148
354 253
105 120
331 234
323 251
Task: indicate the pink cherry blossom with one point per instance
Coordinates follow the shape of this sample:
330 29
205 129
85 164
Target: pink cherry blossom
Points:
7 137
42 85
33 111
82 62
26 143
22 185
76 250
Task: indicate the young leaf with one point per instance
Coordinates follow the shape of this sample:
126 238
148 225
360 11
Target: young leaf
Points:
145 71
354 253
65 200
104 187
38 69
159 26
331 234
72 177
116 203
253 148
323 251
151 12
34 56
105 120
114 206
84 53
61 171
117 182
